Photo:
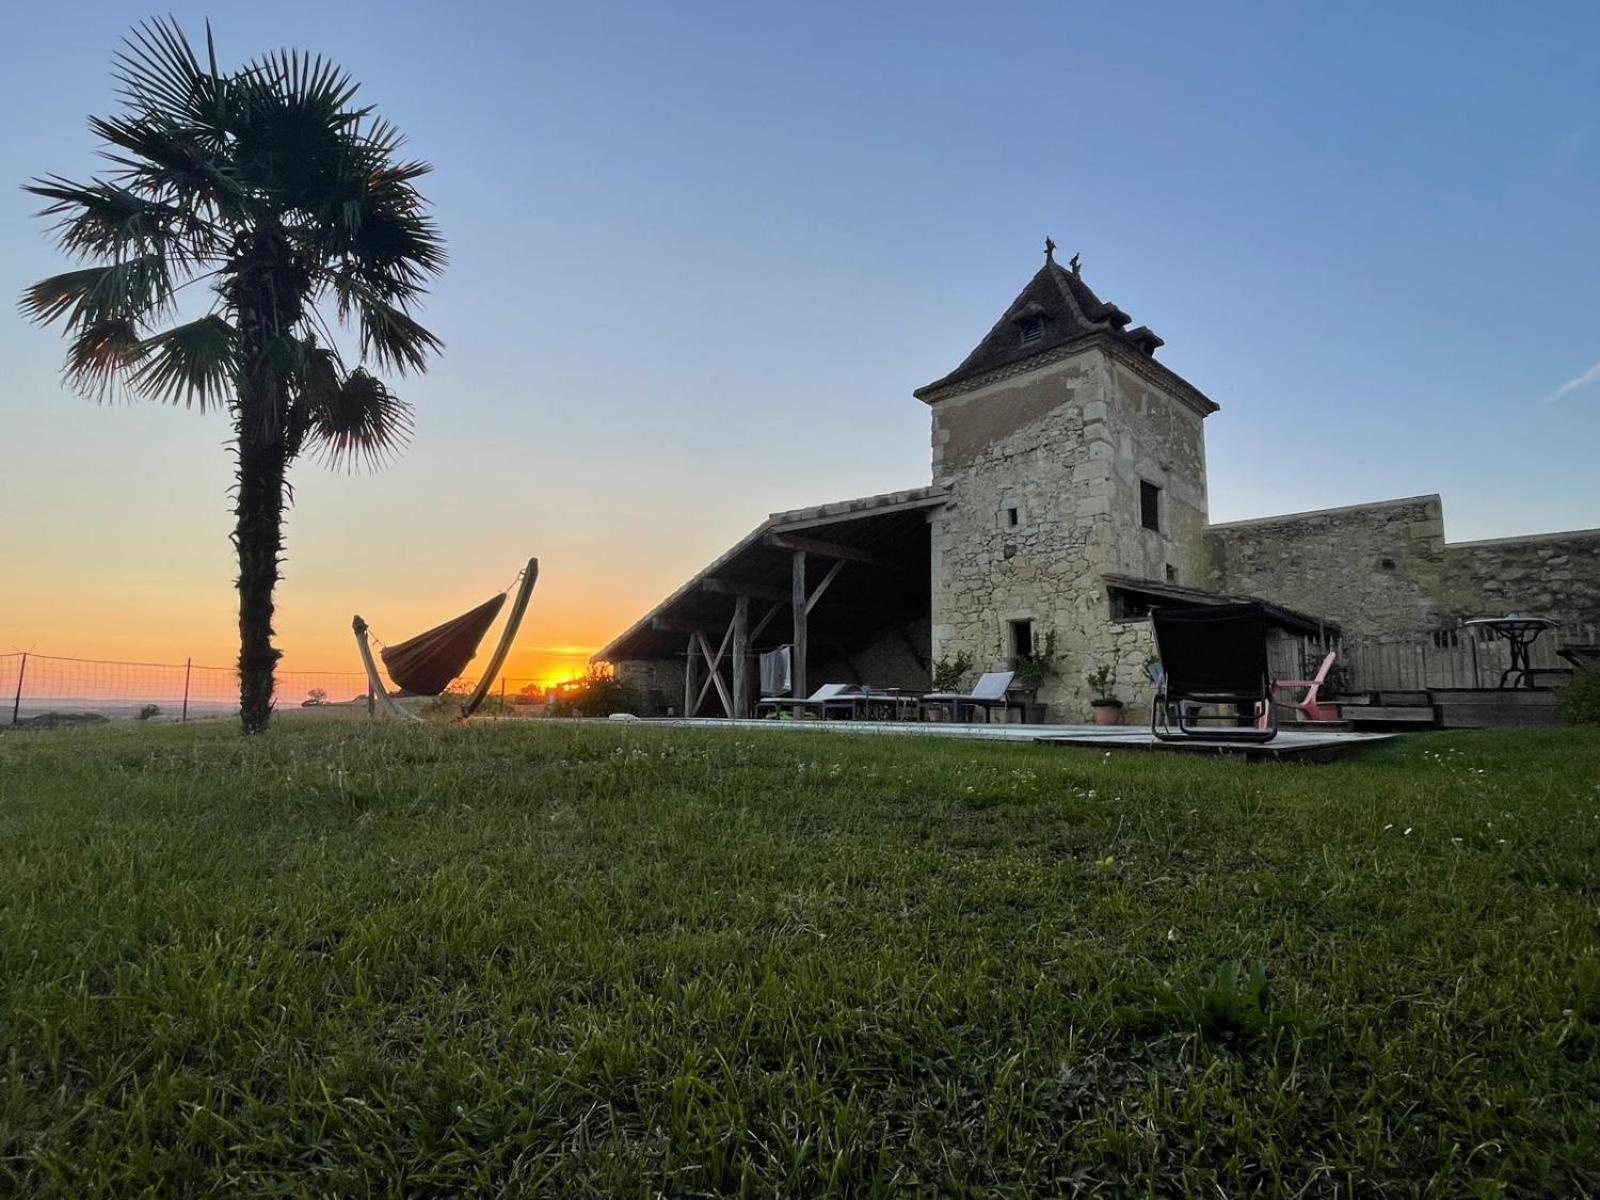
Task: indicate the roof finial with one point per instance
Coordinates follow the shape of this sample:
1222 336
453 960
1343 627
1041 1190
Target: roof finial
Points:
1076 263
1049 248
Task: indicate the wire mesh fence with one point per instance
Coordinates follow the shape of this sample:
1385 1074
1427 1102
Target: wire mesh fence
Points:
43 688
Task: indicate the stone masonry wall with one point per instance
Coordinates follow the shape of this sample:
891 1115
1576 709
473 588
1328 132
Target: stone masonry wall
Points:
1067 446
886 660
1159 441
659 683
1386 570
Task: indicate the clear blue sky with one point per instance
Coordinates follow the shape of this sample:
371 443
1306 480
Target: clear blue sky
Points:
701 254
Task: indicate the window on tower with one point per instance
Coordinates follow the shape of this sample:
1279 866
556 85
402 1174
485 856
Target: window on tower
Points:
1149 505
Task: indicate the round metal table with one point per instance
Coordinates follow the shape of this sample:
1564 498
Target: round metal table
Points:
1520 634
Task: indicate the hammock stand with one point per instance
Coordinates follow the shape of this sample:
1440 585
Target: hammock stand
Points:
425 665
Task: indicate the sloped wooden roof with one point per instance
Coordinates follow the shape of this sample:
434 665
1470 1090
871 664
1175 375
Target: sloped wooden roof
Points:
1067 311
890 529
1187 597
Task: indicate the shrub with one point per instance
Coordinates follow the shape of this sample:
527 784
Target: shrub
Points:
949 672
598 694
1580 699
148 711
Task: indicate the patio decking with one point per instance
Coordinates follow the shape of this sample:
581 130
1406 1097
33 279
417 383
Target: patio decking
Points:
1294 745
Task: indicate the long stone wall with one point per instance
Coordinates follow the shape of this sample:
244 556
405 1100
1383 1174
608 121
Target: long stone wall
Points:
1385 569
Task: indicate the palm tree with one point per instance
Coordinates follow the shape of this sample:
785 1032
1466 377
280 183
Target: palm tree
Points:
270 187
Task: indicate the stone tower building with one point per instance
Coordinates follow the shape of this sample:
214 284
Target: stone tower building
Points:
1070 455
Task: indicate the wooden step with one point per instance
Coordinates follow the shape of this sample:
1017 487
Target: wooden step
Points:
1495 708
1394 716
1404 699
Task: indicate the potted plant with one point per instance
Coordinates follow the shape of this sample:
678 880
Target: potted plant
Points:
949 672
1030 671
1107 708
947 676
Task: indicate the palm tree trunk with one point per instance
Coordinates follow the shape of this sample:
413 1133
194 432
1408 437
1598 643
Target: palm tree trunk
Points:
258 538
268 287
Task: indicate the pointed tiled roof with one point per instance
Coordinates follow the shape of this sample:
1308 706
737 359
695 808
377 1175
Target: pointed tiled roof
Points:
1065 309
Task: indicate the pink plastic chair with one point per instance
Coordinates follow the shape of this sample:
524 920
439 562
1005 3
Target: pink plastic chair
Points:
1308 706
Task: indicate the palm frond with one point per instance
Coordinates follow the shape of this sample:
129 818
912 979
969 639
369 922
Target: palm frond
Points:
383 241
159 75
305 81
195 364
358 421
388 333
395 341
105 220
103 354
293 131
135 290
160 159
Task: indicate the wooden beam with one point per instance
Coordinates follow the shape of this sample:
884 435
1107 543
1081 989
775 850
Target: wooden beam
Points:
762 624
797 607
741 656
735 587
811 600
674 625
714 671
789 541
882 510
689 702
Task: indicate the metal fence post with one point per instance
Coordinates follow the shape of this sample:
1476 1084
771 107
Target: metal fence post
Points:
188 666
16 705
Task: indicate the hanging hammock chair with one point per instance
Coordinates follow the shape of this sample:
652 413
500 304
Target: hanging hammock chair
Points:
425 665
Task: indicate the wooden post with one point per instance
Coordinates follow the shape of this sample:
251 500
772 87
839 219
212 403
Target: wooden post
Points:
188 666
741 657
798 605
16 705
689 697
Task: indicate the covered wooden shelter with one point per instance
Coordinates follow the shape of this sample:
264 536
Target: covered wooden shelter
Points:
847 585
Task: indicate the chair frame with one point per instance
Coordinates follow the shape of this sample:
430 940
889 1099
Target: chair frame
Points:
814 701
1173 713
1309 706
956 700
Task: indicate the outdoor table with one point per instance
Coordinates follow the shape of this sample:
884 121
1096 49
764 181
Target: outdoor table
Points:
1520 634
891 703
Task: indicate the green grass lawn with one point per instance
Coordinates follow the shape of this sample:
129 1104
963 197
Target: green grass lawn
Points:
533 959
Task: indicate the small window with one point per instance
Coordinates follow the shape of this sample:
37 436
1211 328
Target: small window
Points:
1128 607
1172 573
1386 563
1021 637
1150 506
1031 330
1012 515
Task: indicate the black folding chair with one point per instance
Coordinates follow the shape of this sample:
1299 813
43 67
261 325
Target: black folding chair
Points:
1216 654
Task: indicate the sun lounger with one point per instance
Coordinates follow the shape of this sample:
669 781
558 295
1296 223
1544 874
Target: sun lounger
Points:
816 702
989 693
1212 655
